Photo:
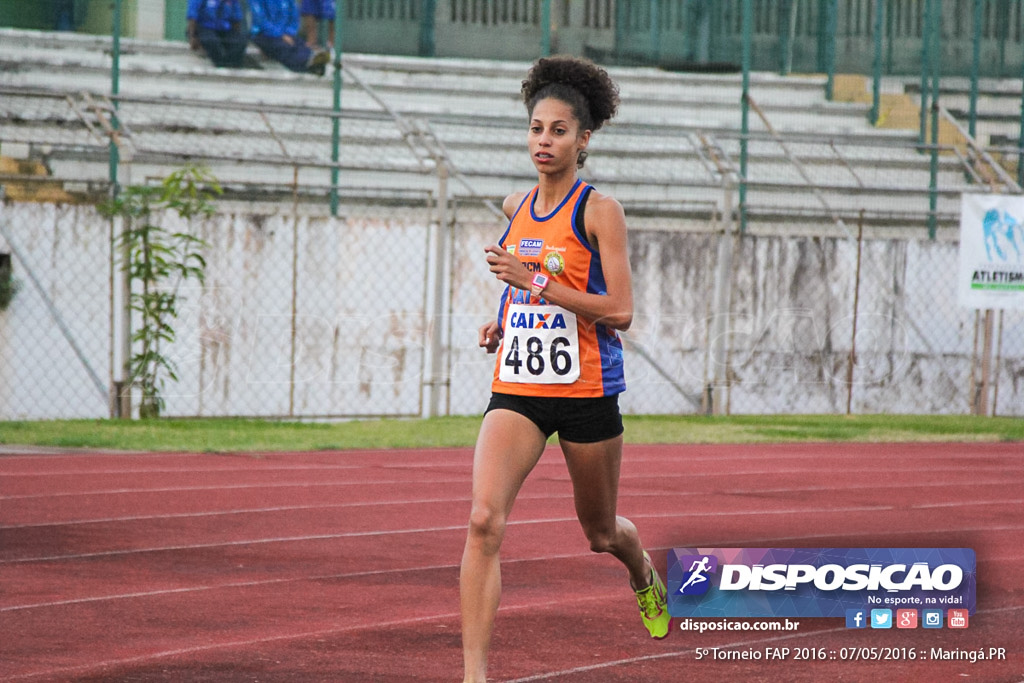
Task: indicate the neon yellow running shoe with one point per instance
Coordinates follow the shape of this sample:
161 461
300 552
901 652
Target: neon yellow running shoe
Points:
653 605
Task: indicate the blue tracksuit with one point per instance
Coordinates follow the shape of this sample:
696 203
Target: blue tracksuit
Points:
216 15
274 18
320 9
220 28
272 22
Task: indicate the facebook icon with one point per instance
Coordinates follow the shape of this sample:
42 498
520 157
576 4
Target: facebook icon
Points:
856 618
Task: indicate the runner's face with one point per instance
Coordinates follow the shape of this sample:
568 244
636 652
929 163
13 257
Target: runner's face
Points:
555 139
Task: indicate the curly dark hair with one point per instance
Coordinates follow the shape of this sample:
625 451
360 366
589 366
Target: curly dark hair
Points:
578 82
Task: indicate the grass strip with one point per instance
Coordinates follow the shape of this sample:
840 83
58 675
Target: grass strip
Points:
242 435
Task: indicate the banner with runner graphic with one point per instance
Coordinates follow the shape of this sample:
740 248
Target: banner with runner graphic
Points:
817 582
991 273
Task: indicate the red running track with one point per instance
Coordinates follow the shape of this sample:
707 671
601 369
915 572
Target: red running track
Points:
343 566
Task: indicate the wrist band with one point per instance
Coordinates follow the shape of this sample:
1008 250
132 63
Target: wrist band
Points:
540 281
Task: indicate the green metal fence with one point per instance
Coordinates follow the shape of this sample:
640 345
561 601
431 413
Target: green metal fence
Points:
970 39
849 36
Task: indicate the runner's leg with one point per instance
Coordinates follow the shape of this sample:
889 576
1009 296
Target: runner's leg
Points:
594 470
507 449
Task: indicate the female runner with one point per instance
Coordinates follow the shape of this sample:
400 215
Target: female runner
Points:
559 363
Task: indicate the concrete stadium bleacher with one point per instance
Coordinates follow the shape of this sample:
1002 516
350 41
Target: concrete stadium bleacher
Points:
401 115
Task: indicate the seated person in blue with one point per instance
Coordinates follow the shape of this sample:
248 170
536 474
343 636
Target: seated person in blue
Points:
218 26
275 27
314 14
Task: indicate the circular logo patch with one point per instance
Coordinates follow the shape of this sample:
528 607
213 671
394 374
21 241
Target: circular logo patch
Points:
554 263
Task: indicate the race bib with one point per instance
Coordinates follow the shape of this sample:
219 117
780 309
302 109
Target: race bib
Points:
541 346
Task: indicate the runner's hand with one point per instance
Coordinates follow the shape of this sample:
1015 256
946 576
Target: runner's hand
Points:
507 267
490 336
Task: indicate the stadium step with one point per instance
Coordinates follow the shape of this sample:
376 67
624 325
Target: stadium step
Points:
253 125
28 180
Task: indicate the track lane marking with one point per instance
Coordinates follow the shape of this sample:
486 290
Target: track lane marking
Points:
392 482
535 497
255 465
462 527
334 577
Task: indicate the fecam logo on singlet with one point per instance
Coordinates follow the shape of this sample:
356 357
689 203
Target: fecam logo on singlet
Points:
530 247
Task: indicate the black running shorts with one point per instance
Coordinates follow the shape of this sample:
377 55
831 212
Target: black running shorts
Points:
578 420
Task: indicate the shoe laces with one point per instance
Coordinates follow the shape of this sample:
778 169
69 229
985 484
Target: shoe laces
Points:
650 602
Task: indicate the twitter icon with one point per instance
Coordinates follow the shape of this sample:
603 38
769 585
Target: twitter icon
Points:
881 618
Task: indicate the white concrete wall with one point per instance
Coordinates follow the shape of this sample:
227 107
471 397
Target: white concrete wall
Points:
362 319
149 20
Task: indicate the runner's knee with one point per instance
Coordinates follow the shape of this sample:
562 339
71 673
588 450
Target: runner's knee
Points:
487 526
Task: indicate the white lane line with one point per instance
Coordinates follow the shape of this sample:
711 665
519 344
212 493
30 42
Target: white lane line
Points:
534 497
83 668
625 477
234 487
95 453
461 527
248 511
405 463
228 544
385 532
256 469
778 448
334 577
956 504
283 580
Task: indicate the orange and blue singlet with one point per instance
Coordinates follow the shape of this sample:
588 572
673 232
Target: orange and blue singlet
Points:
547 350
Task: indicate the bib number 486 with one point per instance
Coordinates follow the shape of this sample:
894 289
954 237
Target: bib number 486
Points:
541 346
536 360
